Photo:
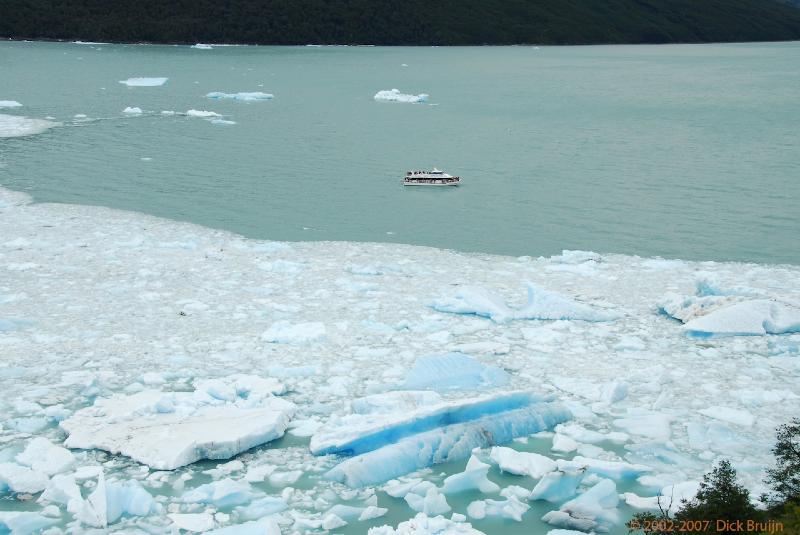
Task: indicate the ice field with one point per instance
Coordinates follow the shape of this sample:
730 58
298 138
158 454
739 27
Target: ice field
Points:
163 377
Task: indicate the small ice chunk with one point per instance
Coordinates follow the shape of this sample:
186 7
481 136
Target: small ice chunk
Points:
268 505
557 486
21 478
511 508
144 82
132 110
433 503
477 301
9 104
223 493
522 463
371 512
475 476
202 113
62 489
43 456
197 522
595 509
202 46
394 95
616 470
563 443
24 522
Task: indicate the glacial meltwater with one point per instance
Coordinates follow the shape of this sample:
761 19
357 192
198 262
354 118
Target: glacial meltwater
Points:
220 310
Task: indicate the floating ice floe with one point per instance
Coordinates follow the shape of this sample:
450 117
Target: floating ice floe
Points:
422 524
166 430
541 305
202 114
202 46
756 317
24 522
511 508
132 110
9 104
18 126
453 371
474 477
558 485
389 444
144 82
522 463
284 332
248 97
595 509
394 95
110 500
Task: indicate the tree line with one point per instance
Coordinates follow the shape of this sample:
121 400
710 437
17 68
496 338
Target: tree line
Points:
401 22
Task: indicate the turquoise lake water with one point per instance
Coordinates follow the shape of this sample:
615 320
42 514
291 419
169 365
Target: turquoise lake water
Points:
687 151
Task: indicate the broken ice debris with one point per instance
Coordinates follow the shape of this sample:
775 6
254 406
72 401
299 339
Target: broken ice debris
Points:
389 444
166 430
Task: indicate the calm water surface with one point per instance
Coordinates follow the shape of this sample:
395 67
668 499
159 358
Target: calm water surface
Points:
686 151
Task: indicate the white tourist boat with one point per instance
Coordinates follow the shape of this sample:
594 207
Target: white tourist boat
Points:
430 178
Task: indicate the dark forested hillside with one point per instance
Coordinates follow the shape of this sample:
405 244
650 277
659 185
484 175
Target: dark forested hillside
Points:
396 22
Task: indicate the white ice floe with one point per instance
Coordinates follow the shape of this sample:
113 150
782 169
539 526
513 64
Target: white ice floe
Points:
9 104
727 414
432 503
522 463
197 522
542 305
511 508
165 430
243 96
144 82
394 95
223 493
202 46
202 113
24 522
18 126
595 509
422 524
111 499
474 477
284 332
558 485
453 371
392 444
132 110
756 317
43 456
18 478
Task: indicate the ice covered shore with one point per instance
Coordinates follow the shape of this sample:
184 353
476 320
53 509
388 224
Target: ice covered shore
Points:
99 305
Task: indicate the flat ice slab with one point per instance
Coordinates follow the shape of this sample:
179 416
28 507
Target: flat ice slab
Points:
166 430
755 317
542 305
394 95
245 96
391 444
423 524
144 82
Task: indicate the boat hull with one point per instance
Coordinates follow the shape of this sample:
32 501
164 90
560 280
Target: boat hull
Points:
431 183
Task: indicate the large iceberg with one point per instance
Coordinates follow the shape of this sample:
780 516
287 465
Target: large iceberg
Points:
166 430
542 305
388 445
394 95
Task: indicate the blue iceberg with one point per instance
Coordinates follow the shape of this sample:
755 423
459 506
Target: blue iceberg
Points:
453 371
